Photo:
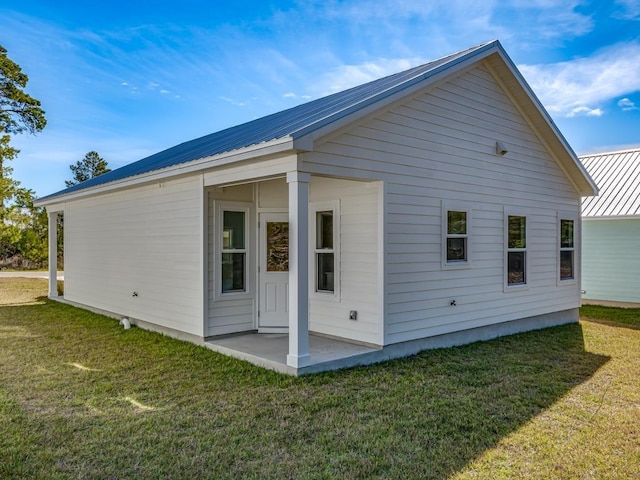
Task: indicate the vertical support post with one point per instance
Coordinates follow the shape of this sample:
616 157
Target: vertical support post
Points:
53 254
298 269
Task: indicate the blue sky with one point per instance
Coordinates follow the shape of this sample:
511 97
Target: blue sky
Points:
131 78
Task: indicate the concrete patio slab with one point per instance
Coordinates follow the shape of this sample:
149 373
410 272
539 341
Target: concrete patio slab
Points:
269 350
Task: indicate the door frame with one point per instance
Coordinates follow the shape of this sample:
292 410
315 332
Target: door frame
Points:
261 254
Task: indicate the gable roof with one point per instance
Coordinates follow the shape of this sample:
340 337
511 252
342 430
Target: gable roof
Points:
618 176
290 128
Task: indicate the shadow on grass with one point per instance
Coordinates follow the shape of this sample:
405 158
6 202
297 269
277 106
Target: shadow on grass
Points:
438 411
423 417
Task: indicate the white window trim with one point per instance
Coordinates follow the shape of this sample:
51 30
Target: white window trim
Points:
448 206
219 208
509 212
314 207
576 243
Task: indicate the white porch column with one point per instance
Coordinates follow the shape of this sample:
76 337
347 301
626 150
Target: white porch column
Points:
53 254
298 269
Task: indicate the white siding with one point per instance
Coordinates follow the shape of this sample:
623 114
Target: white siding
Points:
145 240
257 168
441 146
359 264
359 267
232 313
611 264
273 194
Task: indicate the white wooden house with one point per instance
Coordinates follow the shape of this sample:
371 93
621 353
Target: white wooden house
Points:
611 228
422 209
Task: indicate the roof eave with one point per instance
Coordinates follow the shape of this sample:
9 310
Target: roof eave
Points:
277 146
610 217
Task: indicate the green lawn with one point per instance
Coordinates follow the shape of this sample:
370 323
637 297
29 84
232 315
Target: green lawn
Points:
80 397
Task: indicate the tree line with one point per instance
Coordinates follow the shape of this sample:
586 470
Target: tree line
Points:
23 227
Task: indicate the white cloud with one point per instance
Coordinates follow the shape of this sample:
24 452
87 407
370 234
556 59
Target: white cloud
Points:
582 86
589 112
628 9
627 105
237 103
444 20
347 76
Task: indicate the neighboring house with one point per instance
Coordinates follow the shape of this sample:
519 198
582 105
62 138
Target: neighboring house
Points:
611 228
421 209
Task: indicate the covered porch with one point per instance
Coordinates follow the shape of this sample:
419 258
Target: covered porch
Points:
313 305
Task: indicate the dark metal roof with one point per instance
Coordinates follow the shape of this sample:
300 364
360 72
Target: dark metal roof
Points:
294 122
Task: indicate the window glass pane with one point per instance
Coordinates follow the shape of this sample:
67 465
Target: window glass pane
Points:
325 272
456 223
566 233
517 232
233 272
233 230
516 274
277 246
324 230
566 265
456 249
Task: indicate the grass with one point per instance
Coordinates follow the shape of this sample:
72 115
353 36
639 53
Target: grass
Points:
629 317
81 397
22 291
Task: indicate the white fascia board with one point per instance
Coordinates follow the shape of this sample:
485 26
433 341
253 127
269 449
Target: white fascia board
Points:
255 151
611 217
55 207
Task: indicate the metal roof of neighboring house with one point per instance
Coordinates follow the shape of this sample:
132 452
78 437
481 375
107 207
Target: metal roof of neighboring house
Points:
617 175
291 128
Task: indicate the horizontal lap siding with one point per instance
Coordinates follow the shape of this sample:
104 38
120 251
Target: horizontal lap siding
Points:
358 269
228 314
144 240
441 146
610 266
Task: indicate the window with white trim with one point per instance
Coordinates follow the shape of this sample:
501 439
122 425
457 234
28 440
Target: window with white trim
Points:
456 234
516 250
233 252
567 249
325 246
324 253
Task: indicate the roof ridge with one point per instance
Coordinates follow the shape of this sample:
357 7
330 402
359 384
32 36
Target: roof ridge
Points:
615 152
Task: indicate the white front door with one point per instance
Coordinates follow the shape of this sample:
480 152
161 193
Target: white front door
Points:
273 276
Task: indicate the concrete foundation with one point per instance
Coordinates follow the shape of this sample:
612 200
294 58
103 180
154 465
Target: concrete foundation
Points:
270 350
